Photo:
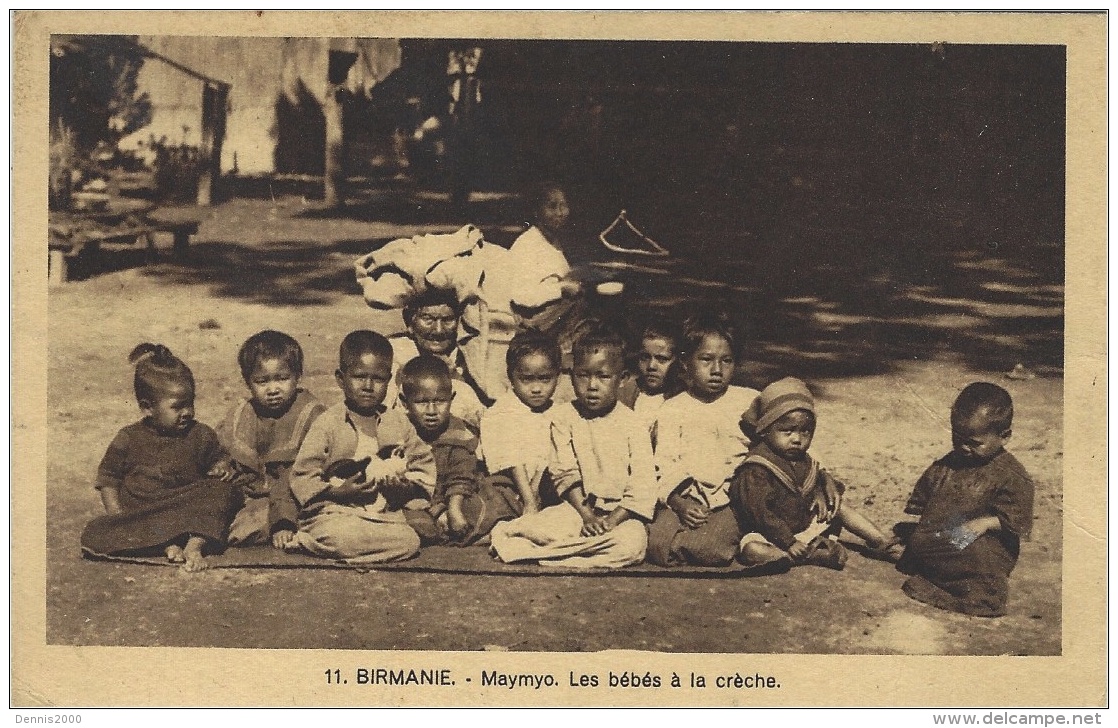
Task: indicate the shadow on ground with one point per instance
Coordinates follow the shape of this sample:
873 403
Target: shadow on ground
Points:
828 276
404 205
284 274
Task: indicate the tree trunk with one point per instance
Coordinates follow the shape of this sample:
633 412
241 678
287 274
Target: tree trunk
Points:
214 102
332 110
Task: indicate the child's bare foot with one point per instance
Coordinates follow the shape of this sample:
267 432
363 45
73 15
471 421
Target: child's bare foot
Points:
887 549
293 544
193 560
175 554
824 552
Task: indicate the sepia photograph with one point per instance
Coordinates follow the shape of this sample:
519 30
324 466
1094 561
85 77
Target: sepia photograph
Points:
504 362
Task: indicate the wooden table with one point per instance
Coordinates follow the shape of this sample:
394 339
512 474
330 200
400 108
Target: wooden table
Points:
139 231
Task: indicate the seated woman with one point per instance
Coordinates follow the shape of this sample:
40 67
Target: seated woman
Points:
507 291
544 297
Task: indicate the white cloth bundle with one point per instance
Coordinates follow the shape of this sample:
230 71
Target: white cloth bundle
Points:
392 274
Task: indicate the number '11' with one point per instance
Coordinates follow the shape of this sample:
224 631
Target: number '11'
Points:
334 677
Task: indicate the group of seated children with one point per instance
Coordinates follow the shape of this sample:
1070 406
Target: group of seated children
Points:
674 465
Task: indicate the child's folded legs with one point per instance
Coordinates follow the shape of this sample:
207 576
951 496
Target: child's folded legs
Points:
356 537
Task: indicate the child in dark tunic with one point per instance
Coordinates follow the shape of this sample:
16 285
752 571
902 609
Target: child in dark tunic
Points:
451 515
154 479
262 435
975 505
786 505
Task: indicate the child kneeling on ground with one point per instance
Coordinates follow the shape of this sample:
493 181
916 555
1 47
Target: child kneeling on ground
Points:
601 464
975 506
787 506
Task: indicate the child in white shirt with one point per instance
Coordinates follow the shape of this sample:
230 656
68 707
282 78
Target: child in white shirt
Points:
601 462
516 430
699 446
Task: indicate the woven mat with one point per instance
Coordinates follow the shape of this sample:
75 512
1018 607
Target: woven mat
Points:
435 559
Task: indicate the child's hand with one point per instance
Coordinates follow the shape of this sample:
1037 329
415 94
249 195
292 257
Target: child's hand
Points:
982 525
394 486
595 525
798 550
223 469
351 488
824 509
399 491
691 513
827 501
282 539
110 498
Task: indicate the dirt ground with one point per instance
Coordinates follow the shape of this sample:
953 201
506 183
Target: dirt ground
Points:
885 380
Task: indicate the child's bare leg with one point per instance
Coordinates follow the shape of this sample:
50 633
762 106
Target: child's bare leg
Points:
867 530
861 526
193 560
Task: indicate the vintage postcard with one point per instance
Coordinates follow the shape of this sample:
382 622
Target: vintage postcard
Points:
559 358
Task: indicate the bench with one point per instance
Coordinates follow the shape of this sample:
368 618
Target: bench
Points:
60 250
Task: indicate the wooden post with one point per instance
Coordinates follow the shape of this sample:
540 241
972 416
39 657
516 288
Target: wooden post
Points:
215 97
333 112
181 238
56 268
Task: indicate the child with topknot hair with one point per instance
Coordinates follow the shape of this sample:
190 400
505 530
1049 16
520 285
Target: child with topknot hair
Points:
975 506
158 479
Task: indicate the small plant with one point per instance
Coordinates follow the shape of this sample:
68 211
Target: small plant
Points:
177 170
63 162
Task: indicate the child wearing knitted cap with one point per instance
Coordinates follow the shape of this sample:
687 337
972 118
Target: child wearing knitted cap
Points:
786 505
